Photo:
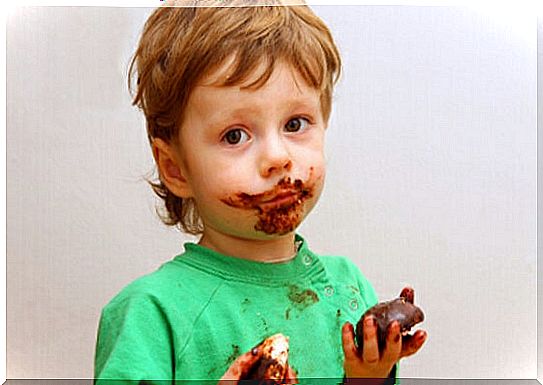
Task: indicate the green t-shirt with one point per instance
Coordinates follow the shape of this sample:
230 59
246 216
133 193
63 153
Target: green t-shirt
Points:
198 312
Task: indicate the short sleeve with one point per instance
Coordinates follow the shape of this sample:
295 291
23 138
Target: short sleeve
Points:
134 343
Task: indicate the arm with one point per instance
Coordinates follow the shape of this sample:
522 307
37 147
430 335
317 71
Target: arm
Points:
134 343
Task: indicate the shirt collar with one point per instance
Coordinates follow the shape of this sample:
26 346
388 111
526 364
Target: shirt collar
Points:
304 264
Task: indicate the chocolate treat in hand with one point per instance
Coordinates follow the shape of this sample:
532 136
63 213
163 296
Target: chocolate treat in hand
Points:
401 309
273 366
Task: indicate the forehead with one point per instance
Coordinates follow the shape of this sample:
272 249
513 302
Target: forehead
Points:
251 78
285 89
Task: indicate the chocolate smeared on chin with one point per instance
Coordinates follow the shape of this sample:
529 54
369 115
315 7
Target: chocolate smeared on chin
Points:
401 309
275 218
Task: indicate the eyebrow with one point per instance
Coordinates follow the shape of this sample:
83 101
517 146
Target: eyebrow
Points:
293 104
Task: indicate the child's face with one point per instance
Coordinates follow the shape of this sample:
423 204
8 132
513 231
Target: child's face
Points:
241 148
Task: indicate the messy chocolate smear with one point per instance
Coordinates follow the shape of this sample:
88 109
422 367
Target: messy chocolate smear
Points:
401 309
354 289
244 305
235 353
302 298
275 218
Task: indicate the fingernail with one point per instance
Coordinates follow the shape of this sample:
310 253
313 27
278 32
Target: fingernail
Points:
254 351
370 321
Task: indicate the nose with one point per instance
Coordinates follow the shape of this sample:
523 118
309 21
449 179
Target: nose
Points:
275 157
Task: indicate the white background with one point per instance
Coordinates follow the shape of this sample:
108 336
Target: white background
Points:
431 180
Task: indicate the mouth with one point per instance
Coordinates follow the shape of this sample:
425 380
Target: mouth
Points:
282 199
286 194
279 210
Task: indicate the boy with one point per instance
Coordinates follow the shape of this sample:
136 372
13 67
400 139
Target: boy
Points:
237 101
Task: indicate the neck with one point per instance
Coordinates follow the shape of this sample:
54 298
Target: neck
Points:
272 250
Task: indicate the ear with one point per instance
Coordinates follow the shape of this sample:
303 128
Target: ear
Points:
171 169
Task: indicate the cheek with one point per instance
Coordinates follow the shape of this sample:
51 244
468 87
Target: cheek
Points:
317 176
317 171
319 183
213 188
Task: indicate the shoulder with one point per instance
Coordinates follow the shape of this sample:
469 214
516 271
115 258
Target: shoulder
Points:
174 291
160 290
342 266
146 286
340 263
139 296
136 325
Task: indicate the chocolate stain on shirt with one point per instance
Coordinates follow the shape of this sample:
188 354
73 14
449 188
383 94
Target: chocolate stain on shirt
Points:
235 354
300 299
280 218
354 289
244 305
287 313
337 332
265 325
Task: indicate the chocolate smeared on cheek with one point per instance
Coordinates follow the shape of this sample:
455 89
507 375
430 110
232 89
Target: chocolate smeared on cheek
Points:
275 218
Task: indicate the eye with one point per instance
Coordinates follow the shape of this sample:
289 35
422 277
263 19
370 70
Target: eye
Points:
235 136
296 124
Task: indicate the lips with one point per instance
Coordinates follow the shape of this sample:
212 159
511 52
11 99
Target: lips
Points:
280 196
285 195
279 200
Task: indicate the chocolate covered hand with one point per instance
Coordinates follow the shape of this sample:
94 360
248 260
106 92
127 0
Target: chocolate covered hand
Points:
267 363
380 341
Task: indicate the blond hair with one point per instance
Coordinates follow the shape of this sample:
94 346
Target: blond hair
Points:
179 46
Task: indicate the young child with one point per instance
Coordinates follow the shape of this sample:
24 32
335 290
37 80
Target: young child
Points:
237 102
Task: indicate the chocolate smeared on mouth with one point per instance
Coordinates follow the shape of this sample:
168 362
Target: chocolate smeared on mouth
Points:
279 210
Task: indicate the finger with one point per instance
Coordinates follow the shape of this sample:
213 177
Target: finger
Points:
408 293
412 343
241 366
347 339
292 376
393 348
370 350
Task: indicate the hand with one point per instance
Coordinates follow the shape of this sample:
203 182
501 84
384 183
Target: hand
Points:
243 365
370 363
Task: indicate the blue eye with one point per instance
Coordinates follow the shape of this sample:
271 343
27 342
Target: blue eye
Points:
235 136
296 124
